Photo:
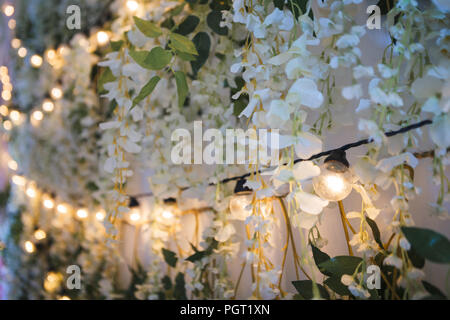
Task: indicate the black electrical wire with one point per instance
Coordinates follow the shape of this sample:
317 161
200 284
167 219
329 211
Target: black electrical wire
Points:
313 157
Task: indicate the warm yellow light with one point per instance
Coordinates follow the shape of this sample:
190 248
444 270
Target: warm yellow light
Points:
82 213
135 216
15 43
4 111
15 115
53 281
18 180
12 24
167 214
132 5
240 205
48 106
56 93
51 54
38 115
100 215
49 203
40 234
8 10
102 38
7 86
62 209
22 52
64 298
7 125
31 192
29 246
12 165
63 50
334 182
36 60
6 95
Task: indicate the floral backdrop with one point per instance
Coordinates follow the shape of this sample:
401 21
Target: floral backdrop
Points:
88 118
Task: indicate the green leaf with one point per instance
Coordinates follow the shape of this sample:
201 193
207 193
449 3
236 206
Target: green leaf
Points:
375 231
182 44
105 77
177 10
202 43
335 284
340 265
170 257
433 290
428 244
188 25
180 289
213 20
186 56
148 28
182 87
320 257
146 90
305 289
416 260
156 59
167 283
116 45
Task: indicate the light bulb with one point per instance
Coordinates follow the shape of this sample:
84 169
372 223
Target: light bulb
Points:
49 204
7 125
56 93
100 215
53 281
62 209
15 43
22 52
15 116
31 192
4 111
18 180
132 5
82 213
135 215
334 182
29 246
36 60
8 10
40 234
38 115
6 95
12 24
12 165
239 205
48 106
102 38
51 54
64 298
167 214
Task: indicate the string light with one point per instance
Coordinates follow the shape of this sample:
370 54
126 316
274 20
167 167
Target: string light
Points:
7 125
4 111
56 93
61 208
64 298
167 214
102 38
6 95
82 213
38 115
12 165
31 192
22 52
29 246
100 215
18 180
52 281
48 105
15 116
134 214
334 182
36 61
132 5
49 203
51 54
241 200
40 235
8 10
15 43
12 24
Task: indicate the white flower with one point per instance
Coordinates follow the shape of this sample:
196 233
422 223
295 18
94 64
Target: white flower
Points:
259 96
362 72
358 291
352 92
310 203
279 110
304 91
346 279
254 25
305 170
386 72
393 260
404 243
372 129
307 144
284 20
347 40
440 131
225 233
387 164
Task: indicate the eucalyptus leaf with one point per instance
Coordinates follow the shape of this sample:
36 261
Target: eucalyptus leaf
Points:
146 90
428 244
148 28
156 59
182 87
305 289
182 43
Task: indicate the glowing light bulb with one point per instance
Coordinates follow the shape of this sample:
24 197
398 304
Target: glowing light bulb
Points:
29 246
49 203
31 192
100 215
53 281
22 52
12 24
6 95
12 165
15 43
18 180
40 234
7 125
36 60
64 298
335 180
61 208
56 93
15 116
167 214
38 115
82 213
48 106
135 216
132 5
4 111
51 54
102 38
8 10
